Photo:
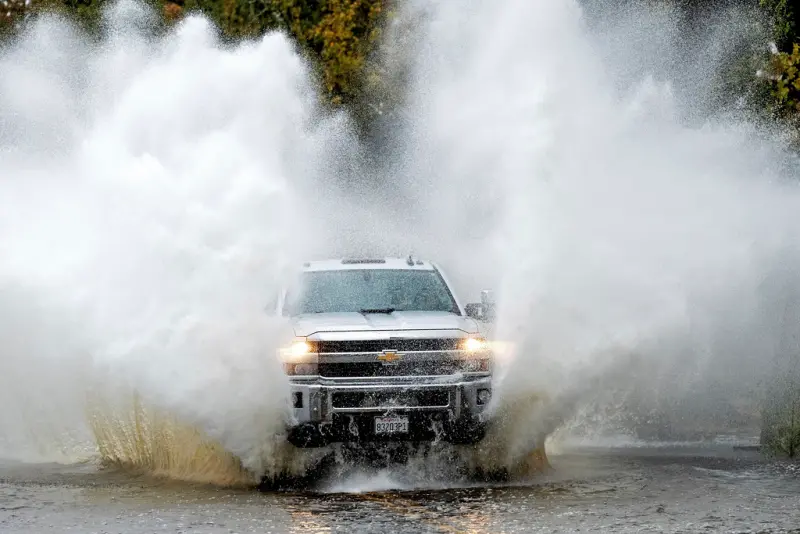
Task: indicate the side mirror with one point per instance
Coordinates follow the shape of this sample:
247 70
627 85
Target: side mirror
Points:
483 311
489 306
474 310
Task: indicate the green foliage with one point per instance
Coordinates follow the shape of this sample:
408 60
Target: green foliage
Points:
787 82
780 428
783 436
11 11
781 71
339 34
786 441
236 19
785 18
86 12
783 78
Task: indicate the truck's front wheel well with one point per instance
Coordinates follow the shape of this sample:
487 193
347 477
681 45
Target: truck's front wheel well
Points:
466 432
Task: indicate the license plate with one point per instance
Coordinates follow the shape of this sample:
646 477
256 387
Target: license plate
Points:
391 425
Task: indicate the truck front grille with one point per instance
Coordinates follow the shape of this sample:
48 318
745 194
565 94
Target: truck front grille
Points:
422 398
399 345
425 368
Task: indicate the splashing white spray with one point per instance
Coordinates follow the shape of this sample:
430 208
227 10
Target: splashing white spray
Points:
149 190
151 199
629 250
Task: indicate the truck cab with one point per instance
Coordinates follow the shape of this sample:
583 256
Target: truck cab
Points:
383 350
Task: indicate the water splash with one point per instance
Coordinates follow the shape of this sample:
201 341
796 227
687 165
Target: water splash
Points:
150 201
157 188
627 247
144 440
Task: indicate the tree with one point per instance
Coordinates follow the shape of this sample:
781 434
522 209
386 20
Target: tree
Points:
785 18
339 34
11 12
236 19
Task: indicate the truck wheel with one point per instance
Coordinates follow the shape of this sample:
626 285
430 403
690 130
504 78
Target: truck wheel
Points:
307 436
490 476
273 483
467 434
286 482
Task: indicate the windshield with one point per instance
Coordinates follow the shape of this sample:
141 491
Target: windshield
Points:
372 291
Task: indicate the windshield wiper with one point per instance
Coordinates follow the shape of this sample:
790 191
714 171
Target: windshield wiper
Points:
377 310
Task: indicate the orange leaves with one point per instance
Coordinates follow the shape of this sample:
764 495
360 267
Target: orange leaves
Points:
341 33
172 11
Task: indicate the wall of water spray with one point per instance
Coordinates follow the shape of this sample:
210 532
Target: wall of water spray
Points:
156 188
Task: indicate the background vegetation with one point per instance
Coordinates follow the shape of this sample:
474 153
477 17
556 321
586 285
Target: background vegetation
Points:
340 35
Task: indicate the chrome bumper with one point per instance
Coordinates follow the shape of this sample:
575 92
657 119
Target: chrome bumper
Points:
314 400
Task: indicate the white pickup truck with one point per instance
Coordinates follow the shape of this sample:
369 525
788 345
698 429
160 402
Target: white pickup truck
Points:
383 350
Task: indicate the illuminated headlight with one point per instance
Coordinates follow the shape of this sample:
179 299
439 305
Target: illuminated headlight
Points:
484 396
300 347
474 344
299 351
300 358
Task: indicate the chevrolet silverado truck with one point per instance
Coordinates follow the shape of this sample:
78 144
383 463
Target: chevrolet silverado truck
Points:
383 350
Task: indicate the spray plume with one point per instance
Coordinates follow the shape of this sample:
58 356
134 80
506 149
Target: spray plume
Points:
156 189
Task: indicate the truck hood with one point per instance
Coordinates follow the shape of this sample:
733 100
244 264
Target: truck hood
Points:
313 323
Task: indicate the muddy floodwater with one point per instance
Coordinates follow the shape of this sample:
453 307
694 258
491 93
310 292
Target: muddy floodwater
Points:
686 488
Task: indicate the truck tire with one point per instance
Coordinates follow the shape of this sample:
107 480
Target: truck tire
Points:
468 433
306 436
286 482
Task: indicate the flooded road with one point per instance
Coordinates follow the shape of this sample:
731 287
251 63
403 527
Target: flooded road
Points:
643 489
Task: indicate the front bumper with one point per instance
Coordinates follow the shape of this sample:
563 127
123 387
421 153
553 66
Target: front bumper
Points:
342 409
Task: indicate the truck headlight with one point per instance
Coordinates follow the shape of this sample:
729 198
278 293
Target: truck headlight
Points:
301 347
474 344
300 358
299 351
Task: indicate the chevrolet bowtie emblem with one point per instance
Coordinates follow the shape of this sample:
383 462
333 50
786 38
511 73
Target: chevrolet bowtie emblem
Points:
389 356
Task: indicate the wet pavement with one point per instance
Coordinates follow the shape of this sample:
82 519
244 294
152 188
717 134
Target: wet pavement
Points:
642 489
